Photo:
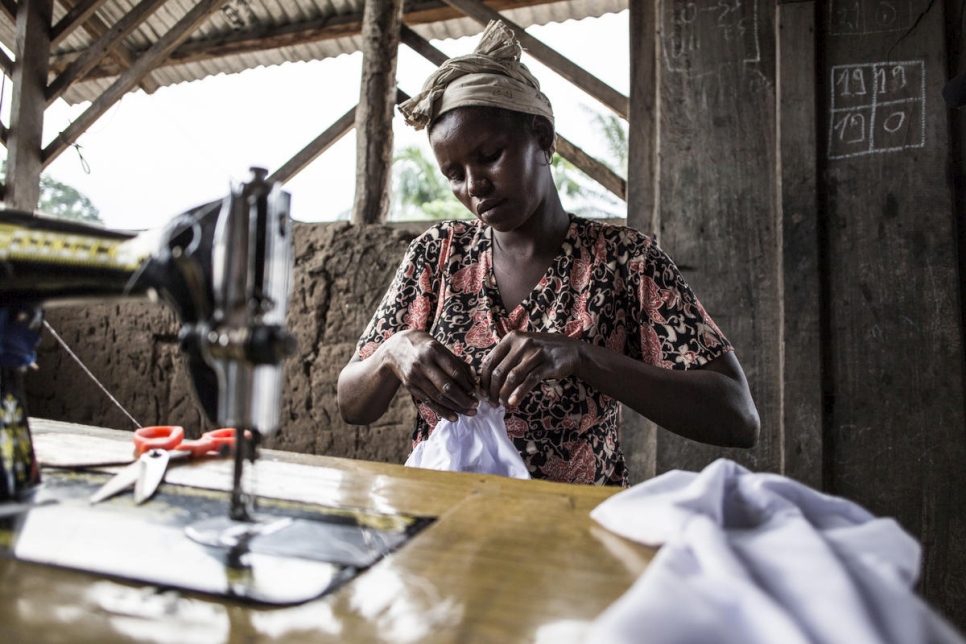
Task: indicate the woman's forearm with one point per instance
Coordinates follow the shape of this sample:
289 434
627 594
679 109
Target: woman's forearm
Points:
365 389
412 359
711 404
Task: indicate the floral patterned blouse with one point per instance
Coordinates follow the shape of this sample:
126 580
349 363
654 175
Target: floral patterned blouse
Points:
609 285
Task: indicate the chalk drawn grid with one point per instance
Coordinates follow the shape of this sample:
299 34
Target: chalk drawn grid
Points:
861 114
687 23
862 17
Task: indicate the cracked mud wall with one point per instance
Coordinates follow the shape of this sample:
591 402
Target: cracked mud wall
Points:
341 273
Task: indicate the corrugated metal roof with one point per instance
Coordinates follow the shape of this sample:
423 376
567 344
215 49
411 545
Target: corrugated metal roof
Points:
249 21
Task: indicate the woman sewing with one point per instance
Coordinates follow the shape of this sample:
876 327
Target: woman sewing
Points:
557 318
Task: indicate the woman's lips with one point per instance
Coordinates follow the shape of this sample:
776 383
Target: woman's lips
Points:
484 206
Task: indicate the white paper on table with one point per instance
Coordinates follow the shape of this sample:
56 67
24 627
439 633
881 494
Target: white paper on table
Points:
471 444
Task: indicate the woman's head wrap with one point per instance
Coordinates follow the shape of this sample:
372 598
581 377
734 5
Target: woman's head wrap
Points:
492 76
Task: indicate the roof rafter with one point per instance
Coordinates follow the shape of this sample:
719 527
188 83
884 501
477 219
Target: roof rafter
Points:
290 35
124 57
109 40
74 18
6 63
141 67
10 8
323 142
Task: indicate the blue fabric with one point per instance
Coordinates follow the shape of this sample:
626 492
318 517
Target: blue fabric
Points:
17 340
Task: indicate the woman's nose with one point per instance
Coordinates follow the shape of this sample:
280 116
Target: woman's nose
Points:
479 186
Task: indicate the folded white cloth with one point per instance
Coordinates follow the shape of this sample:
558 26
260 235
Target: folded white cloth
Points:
751 557
471 444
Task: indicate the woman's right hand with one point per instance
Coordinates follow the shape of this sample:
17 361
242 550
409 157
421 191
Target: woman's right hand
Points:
432 374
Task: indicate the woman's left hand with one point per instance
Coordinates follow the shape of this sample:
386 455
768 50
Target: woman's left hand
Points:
521 361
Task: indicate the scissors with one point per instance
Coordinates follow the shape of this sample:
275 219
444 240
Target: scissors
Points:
154 448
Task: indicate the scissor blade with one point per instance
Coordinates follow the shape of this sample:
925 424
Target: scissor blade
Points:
119 482
155 462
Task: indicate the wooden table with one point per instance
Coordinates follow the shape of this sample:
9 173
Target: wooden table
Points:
506 561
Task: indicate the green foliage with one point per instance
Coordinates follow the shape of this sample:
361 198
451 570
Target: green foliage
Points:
66 202
582 195
420 191
614 131
57 199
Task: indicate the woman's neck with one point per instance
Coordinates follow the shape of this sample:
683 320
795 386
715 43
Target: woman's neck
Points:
540 236
521 257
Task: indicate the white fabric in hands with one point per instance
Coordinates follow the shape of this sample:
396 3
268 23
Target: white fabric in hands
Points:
759 558
471 444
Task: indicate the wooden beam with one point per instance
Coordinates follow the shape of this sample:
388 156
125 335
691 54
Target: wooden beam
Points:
109 40
638 435
310 152
643 123
74 18
592 168
801 266
290 35
381 23
583 79
6 63
10 8
422 46
124 57
143 66
318 30
321 143
32 50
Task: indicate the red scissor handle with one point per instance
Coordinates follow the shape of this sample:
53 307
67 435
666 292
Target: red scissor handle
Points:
221 441
171 437
159 437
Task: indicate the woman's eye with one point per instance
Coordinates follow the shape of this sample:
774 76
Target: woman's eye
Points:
489 157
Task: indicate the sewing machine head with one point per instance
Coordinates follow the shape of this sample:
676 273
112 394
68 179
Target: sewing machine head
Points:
224 267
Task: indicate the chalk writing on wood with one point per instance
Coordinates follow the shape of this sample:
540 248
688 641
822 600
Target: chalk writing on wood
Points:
860 17
698 37
877 107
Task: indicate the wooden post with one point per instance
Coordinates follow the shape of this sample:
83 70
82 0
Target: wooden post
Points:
32 49
381 22
719 200
637 433
894 439
801 427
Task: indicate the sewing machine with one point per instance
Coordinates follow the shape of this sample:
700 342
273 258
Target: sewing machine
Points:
225 267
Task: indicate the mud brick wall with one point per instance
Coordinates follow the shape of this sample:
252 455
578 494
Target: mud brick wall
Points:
341 273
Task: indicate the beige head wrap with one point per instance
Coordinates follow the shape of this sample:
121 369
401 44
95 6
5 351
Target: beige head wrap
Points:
492 76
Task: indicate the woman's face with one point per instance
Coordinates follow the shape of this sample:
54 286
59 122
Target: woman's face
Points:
495 166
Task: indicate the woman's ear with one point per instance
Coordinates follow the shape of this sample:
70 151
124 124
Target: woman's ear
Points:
546 137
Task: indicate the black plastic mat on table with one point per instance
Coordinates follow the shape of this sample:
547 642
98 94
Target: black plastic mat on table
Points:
305 551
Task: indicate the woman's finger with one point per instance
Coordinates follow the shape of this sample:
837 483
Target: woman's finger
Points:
454 388
490 363
537 373
503 374
527 373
